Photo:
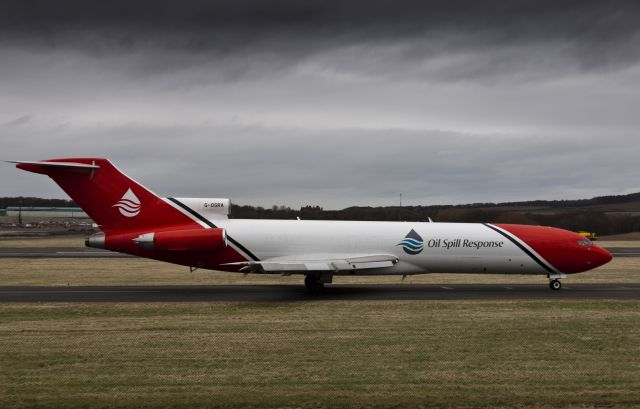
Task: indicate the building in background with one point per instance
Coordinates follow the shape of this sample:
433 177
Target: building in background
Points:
46 212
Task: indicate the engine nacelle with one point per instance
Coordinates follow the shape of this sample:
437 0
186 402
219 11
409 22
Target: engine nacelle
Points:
183 240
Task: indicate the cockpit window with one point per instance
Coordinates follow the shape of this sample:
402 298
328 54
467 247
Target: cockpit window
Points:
584 242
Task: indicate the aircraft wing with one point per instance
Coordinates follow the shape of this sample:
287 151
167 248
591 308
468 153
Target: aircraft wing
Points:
301 263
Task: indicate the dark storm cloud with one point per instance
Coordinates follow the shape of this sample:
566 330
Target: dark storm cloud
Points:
590 34
596 20
335 103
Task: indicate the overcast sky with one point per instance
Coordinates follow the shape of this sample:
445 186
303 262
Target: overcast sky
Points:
331 103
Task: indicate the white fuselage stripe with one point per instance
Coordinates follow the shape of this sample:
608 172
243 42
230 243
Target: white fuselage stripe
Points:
513 237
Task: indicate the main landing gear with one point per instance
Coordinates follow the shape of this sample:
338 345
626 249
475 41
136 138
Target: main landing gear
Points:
555 284
313 285
315 282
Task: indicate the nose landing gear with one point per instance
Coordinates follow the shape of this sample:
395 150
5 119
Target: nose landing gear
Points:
554 281
555 284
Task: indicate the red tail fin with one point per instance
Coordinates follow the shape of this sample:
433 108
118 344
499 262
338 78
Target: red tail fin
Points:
113 200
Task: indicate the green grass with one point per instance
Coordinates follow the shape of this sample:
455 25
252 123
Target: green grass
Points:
581 354
71 241
138 271
321 353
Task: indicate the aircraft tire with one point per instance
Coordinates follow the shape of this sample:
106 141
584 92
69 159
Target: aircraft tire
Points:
555 285
313 285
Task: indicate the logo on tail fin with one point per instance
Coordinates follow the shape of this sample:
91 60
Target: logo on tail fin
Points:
129 205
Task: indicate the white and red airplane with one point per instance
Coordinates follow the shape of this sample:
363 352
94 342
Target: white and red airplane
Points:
198 233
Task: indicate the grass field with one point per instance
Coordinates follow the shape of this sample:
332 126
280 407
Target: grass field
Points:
136 271
618 243
316 354
457 354
38 242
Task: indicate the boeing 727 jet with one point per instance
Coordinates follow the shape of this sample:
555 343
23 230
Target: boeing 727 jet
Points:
198 233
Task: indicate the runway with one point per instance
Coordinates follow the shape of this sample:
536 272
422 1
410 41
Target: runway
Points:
87 252
624 251
58 252
297 293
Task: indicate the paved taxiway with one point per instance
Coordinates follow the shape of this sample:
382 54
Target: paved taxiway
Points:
86 252
334 292
58 252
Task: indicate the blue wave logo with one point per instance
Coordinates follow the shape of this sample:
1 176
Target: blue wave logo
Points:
412 243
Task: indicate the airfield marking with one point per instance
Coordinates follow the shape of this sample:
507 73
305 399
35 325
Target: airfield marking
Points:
287 293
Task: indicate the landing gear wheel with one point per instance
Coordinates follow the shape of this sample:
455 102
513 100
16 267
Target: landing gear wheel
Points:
555 284
313 285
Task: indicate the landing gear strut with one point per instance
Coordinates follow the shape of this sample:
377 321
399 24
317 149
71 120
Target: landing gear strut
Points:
555 284
313 284
554 280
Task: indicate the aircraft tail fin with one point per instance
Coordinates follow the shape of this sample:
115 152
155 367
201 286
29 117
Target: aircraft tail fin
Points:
113 200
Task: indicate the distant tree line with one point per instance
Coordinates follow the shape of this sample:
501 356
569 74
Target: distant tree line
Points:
567 214
601 222
34 201
600 200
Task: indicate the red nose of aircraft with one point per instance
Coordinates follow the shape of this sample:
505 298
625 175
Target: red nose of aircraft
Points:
566 251
597 256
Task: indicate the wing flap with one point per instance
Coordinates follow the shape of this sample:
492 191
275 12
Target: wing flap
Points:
283 265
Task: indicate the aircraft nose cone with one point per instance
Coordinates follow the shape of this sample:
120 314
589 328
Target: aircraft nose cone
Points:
599 256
